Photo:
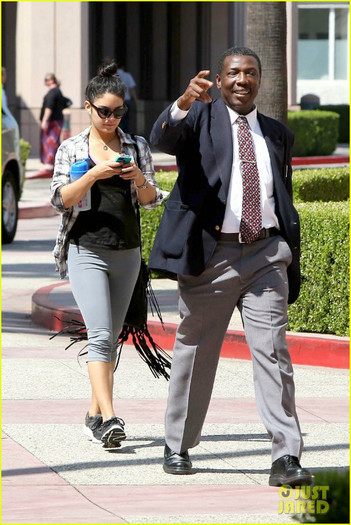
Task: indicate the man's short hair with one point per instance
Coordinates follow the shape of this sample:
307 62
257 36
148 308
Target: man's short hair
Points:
242 51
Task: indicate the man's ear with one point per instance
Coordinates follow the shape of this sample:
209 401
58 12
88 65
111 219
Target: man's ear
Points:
218 81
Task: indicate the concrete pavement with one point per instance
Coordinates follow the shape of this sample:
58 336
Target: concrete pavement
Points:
52 474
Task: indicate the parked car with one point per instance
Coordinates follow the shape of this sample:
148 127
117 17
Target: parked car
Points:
12 181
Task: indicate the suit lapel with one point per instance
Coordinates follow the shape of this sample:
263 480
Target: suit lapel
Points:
221 135
275 146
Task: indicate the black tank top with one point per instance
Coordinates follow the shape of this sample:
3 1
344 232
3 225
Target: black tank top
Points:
111 222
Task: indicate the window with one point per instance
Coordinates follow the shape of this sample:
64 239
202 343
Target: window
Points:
322 44
341 30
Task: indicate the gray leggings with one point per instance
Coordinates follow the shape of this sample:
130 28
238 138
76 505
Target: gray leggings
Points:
102 283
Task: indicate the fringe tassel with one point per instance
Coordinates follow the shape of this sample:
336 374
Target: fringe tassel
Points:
152 301
75 328
150 352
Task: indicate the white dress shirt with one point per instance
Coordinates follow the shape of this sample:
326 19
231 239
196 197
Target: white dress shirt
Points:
232 217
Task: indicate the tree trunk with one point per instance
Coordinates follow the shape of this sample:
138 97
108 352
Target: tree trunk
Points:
266 35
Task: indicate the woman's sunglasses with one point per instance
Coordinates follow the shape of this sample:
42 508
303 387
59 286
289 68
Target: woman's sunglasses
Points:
106 113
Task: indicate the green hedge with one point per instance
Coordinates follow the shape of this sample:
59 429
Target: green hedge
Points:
316 132
150 219
329 184
343 111
25 148
336 485
323 304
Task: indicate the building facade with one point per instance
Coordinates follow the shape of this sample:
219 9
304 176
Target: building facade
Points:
163 45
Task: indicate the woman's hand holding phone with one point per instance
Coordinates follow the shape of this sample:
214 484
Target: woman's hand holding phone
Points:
123 166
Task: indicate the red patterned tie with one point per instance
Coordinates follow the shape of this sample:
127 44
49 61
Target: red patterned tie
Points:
251 217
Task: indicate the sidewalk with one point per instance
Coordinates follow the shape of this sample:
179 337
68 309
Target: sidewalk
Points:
52 474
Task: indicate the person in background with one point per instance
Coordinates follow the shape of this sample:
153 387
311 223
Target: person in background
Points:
101 246
51 123
130 98
231 234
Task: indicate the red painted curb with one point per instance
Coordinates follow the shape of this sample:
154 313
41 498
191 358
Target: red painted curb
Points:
305 349
50 315
332 159
39 175
168 167
36 212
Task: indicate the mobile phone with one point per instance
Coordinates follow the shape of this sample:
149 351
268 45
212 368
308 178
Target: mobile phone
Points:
126 159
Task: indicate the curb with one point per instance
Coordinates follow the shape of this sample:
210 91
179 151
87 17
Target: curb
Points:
36 212
305 349
39 175
167 167
332 159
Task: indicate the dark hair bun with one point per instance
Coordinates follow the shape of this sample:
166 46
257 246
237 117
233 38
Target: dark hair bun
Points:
106 81
108 69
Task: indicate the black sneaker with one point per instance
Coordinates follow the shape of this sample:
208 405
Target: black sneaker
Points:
92 424
112 433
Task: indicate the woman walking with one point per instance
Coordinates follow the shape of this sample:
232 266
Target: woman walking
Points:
101 246
51 122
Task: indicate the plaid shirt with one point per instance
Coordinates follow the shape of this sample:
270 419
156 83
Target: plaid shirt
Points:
76 149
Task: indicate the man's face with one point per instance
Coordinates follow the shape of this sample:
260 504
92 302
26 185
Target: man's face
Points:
239 82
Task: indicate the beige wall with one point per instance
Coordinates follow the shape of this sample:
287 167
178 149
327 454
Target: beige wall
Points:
51 37
54 37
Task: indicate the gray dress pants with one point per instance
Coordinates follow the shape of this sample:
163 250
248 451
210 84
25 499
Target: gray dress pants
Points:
253 278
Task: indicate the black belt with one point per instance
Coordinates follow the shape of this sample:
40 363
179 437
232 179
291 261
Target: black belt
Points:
236 237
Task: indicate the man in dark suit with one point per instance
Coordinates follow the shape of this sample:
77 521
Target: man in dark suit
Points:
231 234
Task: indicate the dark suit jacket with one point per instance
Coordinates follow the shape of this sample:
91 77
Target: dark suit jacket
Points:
194 213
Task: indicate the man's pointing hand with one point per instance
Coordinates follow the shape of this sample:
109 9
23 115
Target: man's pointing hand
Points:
196 90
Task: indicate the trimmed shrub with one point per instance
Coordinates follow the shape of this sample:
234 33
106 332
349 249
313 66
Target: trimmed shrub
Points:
25 148
316 132
336 485
328 184
323 304
150 219
343 111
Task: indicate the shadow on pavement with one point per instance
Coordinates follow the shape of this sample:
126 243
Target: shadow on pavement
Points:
46 245
21 323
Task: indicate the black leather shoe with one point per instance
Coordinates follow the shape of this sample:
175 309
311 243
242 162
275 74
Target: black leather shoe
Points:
176 463
288 471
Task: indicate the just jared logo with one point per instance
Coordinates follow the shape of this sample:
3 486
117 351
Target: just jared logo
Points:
305 499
